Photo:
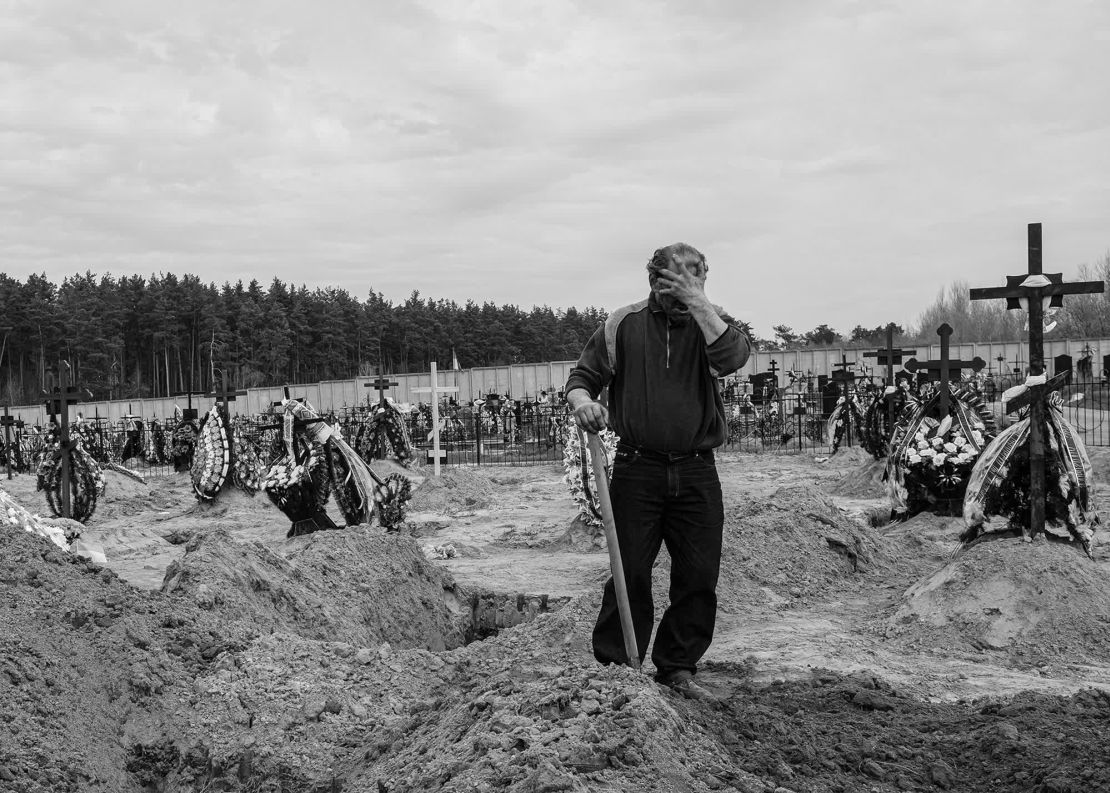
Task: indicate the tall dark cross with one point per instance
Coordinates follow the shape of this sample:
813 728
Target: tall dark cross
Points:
887 357
381 383
945 369
59 404
225 396
845 376
773 370
1033 289
8 421
190 413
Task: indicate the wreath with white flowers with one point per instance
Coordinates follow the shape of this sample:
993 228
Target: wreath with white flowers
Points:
578 472
931 459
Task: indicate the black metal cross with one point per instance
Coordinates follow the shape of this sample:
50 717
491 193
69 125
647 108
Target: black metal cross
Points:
845 376
381 383
225 395
8 421
190 413
1033 289
945 370
887 357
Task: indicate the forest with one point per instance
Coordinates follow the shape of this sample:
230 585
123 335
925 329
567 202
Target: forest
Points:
148 337
131 336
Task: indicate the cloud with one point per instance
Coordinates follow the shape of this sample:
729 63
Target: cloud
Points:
536 152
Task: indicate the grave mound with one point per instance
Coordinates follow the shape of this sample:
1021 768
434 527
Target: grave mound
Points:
454 491
357 585
1038 603
798 544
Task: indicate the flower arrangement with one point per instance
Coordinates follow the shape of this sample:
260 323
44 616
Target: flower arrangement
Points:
877 427
246 469
86 480
386 429
578 472
212 456
183 445
298 482
930 459
848 415
1000 481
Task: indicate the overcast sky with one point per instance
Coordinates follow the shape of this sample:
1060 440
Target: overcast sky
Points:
837 162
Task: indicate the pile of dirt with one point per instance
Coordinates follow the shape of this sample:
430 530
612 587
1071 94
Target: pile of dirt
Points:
864 480
1037 603
90 669
357 585
798 545
849 457
454 492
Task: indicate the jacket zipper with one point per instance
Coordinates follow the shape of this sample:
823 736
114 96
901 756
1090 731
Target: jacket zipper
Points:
668 345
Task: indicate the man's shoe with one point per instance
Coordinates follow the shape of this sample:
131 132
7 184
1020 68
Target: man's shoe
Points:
682 681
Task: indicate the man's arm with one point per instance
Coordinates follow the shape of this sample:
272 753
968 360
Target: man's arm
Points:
592 373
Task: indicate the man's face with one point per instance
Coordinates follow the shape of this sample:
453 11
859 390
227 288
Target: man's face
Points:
672 305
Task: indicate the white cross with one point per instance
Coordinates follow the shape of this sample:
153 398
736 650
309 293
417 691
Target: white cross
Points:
435 390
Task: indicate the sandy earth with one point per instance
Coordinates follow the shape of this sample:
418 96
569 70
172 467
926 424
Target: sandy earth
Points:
212 653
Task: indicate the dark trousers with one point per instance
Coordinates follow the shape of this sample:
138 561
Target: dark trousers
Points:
677 503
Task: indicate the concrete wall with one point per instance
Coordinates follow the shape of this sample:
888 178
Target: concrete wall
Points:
527 380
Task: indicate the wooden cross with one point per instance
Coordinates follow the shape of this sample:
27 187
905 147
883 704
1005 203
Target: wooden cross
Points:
381 383
58 405
435 390
944 370
1032 291
887 357
8 421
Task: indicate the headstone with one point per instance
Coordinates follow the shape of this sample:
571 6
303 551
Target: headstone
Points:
1061 363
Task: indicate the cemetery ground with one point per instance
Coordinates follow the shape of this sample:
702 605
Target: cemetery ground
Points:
210 653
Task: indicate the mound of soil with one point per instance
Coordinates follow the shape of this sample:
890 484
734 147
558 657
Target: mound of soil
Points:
455 491
357 585
862 481
1037 602
796 545
90 669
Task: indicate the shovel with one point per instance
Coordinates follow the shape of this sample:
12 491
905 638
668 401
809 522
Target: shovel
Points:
601 480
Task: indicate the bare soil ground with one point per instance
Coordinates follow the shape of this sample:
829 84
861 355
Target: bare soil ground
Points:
211 653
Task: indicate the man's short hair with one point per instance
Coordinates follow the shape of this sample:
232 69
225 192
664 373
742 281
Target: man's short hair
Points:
678 252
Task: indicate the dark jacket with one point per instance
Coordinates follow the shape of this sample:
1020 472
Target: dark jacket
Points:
662 377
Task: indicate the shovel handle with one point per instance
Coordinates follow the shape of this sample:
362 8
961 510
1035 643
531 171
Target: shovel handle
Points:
601 482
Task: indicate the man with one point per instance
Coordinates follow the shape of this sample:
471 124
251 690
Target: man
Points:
660 359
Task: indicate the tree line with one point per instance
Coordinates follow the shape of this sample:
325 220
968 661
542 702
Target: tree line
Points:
1082 316
134 337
